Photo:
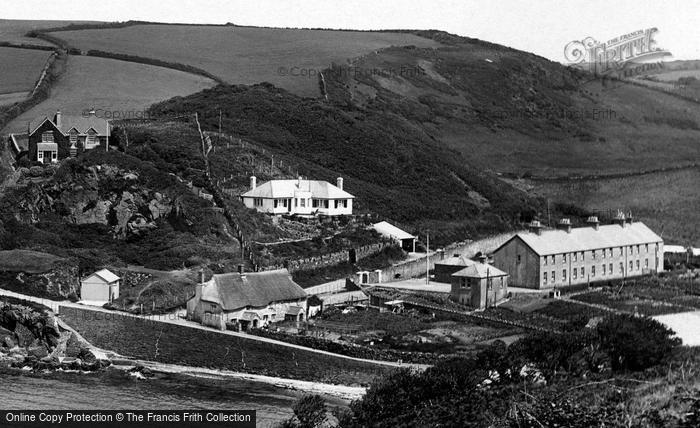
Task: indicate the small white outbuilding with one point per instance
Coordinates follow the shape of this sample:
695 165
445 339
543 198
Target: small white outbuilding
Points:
99 288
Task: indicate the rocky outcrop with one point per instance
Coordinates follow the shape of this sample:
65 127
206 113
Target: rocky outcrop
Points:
101 194
31 338
39 274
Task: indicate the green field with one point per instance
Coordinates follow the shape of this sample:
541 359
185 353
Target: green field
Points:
111 85
243 55
14 30
19 71
667 201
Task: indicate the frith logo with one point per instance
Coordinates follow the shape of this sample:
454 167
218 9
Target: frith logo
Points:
615 58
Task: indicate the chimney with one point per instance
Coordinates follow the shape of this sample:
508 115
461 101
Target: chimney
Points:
619 218
482 259
58 119
593 222
535 227
92 111
299 182
253 182
564 224
339 183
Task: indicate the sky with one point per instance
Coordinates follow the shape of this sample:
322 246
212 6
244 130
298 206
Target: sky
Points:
543 27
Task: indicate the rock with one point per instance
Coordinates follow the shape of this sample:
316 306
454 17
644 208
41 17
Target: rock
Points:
5 332
8 342
73 346
38 352
18 351
87 356
24 336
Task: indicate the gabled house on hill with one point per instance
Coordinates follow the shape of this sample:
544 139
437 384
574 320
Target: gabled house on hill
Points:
251 300
50 139
568 256
301 197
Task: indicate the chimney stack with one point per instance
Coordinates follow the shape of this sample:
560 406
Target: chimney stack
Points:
535 227
299 182
253 182
482 259
340 183
620 218
564 224
593 222
58 119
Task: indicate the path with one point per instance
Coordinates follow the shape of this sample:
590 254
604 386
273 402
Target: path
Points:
174 318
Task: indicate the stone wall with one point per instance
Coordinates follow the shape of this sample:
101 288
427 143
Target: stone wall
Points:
166 342
331 259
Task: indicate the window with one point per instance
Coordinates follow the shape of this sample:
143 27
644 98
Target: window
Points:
302 202
54 156
563 275
604 250
637 248
575 254
646 263
602 271
553 276
544 278
258 202
463 283
517 259
212 307
276 203
582 255
593 270
610 269
563 258
47 137
631 266
553 259
646 248
336 203
73 137
593 254
583 272
622 268
90 140
545 260
637 264
575 273
620 250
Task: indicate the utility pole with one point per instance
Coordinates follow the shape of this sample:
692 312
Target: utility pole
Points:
219 126
427 258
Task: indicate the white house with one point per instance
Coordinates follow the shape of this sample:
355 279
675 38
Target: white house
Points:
301 197
249 299
99 288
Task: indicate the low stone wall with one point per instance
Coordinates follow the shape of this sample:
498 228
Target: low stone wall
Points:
178 344
331 259
417 267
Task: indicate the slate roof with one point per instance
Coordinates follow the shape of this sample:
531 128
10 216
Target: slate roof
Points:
587 238
480 270
286 188
456 261
256 289
106 275
388 229
81 123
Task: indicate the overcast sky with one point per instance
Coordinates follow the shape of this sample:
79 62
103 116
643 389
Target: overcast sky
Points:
543 27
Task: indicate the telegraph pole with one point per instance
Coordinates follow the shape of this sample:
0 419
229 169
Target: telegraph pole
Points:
427 258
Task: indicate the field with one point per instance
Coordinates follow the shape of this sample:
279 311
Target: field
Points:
111 86
13 30
287 58
19 71
668 202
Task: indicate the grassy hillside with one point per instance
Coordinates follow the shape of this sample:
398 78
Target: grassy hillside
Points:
517 113
393 168
20 69
244 55
15 30
667 202
111 86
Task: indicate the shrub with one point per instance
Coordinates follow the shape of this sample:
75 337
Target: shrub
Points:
636 343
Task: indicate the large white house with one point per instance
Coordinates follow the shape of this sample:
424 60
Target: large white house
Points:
301 197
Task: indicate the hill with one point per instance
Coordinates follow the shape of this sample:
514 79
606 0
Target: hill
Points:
112 87
394 168
15 30
113 209
288 58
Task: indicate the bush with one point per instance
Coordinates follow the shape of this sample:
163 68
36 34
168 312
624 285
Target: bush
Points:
636 343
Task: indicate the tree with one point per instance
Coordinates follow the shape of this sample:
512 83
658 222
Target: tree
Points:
309 412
